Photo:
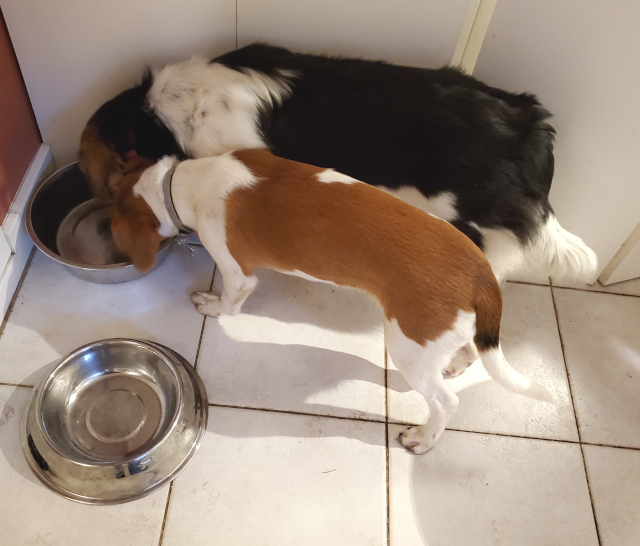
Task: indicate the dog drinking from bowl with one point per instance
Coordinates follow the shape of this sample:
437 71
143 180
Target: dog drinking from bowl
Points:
254 210
474 155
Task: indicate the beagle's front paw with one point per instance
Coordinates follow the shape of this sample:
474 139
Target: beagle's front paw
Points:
207 303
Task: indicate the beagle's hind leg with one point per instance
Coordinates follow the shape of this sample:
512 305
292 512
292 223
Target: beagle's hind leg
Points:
422 367
461 361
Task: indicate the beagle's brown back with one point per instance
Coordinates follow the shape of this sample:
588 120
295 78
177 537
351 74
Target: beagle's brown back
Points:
422 270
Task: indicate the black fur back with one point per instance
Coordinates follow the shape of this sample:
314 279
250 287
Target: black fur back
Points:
125 124
434 129
438 130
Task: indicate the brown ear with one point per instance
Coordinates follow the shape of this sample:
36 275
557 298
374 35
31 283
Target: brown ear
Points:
134 226
99 163
141 245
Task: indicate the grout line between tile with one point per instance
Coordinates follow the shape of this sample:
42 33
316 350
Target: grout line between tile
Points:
575 414
576 288
529 283
593 506
611 446
596 291
291 412
3 384
566 367
164 518
17 292
386 443
405 424
236 24
507 435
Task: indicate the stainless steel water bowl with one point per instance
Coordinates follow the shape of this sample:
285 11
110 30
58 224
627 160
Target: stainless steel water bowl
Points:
114 421
66 223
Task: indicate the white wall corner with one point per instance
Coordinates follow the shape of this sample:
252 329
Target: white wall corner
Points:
14 229
474 29
625 265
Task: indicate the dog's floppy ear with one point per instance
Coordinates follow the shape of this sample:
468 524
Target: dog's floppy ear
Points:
100 164
140 244
134 226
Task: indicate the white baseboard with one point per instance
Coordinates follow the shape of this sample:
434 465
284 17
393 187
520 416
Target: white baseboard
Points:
14 229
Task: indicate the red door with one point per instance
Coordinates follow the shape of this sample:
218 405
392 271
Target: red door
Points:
19 134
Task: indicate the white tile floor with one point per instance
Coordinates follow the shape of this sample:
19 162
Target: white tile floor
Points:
301 445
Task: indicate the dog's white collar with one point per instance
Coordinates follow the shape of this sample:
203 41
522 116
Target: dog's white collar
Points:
168 201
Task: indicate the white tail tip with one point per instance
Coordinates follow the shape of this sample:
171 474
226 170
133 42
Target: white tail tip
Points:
500 370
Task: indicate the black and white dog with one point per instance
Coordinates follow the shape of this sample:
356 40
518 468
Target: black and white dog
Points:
476 156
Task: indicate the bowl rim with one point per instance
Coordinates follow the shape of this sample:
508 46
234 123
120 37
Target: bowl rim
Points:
37 405
60 490
42 247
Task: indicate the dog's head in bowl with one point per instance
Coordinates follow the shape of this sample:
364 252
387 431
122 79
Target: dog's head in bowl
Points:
138 236
69 225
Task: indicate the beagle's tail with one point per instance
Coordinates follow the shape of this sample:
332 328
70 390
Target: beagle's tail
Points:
487 339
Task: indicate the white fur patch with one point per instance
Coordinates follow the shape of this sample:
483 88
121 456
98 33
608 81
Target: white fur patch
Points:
302 275
422 367
200 190
212 109
329 176
442 205
562 254
149 187
502 250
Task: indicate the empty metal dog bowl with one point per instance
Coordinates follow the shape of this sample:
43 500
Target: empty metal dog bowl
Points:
68 225
114 421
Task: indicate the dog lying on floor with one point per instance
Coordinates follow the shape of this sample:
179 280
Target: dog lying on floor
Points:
476 156
254 210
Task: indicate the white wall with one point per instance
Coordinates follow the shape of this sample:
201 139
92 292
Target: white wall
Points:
76 54
582 58
413 32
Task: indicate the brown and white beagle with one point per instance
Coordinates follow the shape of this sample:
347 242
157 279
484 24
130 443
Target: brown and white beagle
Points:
252 209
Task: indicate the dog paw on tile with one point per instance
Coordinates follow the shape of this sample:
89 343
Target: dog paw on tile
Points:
207 303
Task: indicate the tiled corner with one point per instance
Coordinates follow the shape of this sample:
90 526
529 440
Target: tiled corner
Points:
531 344
55 312
30 514
602 347
529 277
273 479
297 346
627 288
484 489
614 478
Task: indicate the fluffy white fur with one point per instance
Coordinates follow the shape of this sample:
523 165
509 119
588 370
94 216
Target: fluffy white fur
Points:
554 250
330 176
502 250
563 254
185 94
442 205
149 187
